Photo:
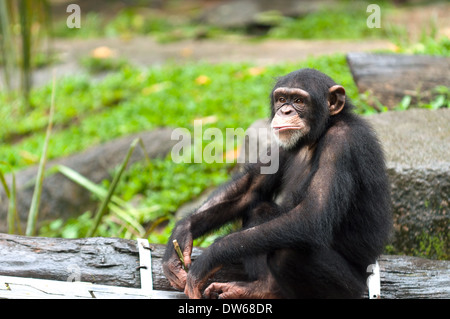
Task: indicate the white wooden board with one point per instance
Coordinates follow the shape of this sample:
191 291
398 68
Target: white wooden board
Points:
31 288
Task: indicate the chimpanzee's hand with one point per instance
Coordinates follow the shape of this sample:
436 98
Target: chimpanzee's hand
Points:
172 267
193 286
198 275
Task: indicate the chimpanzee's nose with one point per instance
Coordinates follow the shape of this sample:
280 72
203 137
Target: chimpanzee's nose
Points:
287 110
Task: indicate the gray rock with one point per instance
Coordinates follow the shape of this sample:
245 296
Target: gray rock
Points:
389 77
416 144
241 13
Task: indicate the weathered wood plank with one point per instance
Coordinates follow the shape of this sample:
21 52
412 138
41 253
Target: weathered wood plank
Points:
389 77
413 277
114 262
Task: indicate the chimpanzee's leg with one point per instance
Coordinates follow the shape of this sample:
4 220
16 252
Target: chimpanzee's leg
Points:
256 266
261 283
315 274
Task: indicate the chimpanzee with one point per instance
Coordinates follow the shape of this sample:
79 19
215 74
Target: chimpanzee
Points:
311 229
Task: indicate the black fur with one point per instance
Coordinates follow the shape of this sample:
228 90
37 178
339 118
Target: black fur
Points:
332 217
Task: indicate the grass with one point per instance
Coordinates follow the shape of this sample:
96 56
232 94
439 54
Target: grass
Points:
91 112
134 21
344 20
36 199
149 193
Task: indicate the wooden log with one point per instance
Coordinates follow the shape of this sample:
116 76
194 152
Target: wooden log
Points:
107 261
406 277
389 77
114 261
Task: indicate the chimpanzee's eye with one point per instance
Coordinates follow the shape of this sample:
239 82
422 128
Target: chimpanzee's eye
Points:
282 100
299 101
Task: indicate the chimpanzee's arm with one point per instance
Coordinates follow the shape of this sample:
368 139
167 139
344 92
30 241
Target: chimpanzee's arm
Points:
226 204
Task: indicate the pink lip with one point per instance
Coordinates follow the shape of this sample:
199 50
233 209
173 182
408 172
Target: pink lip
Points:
284 128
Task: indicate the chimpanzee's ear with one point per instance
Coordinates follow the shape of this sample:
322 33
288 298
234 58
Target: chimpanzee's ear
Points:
336 99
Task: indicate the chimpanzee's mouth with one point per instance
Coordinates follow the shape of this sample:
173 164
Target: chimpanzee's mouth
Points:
285 128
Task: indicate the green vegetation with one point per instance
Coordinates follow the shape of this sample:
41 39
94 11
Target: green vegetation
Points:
346 21
442 99
429 42
98 65
425 245
435 247
139 21
89 111
156 189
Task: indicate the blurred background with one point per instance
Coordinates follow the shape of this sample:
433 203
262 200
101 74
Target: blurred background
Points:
137 66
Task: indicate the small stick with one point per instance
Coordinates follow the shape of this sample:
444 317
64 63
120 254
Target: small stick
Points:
179 253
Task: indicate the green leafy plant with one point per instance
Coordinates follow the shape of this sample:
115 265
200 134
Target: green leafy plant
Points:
441 99
108 198
102 209
162 189
404 103
344 20
18 51
121 209
97 65
13 216
434 247
430 42
36 199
